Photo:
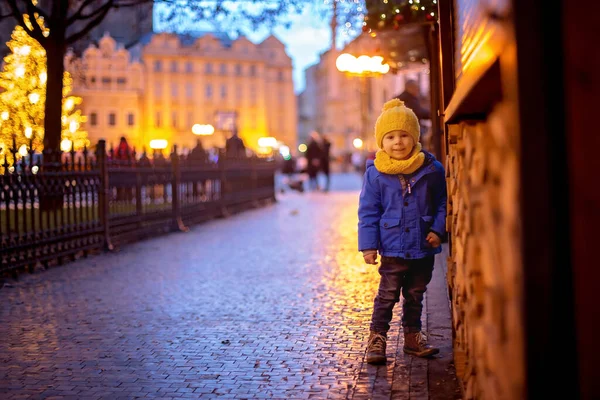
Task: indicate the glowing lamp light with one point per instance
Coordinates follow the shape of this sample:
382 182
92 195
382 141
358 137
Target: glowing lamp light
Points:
20 71
34 98
43 77
363 64
302 148
65 145
73 126
203 130
4 115
267 141
69 104
23 150
357 143
284 151
28 132
158 144
23 50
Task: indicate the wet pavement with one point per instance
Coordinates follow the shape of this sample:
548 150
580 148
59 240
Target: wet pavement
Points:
270 303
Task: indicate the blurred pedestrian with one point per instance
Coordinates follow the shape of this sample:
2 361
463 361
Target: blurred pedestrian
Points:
234 146
123 158
198 156
313 160
402 216
325 160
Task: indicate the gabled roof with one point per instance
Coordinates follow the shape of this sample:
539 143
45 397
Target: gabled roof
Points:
189 38
271 41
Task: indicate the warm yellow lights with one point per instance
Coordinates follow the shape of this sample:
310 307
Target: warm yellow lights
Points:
361 65
65 145
69 104
268 141
357 143
20 71
302 148
158 144
23 80
23 150
203 130
34 98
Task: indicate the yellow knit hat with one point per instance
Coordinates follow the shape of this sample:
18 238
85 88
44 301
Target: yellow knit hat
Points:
396 116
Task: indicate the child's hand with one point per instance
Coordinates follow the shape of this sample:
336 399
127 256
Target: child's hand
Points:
370 257
433 240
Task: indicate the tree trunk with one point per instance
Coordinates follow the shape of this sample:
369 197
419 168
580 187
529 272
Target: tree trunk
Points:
55 52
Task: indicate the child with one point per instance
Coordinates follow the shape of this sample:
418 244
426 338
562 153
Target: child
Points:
402 215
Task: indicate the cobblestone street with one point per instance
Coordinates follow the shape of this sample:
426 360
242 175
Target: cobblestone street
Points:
270 303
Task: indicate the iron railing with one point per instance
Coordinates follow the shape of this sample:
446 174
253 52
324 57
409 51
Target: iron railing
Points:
54 213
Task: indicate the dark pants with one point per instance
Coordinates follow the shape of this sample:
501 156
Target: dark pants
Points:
409 277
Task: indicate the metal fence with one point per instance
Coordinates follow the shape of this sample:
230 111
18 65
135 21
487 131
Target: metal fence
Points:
54 213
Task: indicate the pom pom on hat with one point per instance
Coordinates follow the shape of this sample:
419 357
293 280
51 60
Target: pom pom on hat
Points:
395 116
393 103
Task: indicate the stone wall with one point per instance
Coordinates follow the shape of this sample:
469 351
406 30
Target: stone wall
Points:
484 266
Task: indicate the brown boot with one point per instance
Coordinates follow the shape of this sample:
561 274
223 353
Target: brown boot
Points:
376 348
415 344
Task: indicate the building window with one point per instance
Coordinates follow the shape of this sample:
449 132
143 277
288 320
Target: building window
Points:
93 119
189 90
173 66
189 67
157 120
157 66
93 79
280 76
174 119
208 68
253 70
209 91
238 69
112 119
223 69
158 89
174 90
130 119
121 81
223 91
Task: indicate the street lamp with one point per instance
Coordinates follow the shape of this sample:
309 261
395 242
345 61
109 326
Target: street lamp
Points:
203 130
362 67
158 144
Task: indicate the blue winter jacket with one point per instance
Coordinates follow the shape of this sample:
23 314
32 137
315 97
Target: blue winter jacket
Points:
396 212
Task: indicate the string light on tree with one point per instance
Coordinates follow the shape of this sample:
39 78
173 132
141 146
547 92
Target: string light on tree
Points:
23 97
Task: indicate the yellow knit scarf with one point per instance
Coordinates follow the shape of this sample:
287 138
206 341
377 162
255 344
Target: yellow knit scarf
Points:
388 165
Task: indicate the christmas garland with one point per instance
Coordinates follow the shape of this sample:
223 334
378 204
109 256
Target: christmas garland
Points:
393 14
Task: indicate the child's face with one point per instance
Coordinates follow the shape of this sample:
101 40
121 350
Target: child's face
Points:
398 144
